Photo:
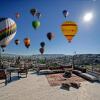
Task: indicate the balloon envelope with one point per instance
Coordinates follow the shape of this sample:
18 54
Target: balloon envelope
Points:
50 36
17 15
41 50
7 31
69 29
17 41
33 11
27 42
3 46
65 13
42 44
38 15
36 24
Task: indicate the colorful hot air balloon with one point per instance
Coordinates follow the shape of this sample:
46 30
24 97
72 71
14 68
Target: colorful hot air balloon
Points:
33 11
42 44
65 13
69 29
36 24
50 36
41 50
27 42
7 31
17 15
38 15
17 41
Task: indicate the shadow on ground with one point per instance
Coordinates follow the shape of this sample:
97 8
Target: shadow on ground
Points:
13 79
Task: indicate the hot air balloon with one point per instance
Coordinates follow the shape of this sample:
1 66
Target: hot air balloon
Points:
42 44
27 42
38 15
33 11
41 50
17 41
65 13
36 24
50 36
3 46
7 31
69 29
17 15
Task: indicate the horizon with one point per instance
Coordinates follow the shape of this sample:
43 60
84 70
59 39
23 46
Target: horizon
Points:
50 54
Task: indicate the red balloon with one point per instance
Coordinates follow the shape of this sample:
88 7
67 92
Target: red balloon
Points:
17 15
50 36
41 50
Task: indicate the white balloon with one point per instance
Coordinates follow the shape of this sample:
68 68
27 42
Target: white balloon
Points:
7 31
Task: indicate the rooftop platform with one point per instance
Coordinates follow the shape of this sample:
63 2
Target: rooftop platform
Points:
36 87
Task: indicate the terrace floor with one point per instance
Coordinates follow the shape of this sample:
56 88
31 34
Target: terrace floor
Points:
36 87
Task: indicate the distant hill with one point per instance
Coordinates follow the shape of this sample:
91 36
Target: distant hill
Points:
54 55
37 56
49 55
79 59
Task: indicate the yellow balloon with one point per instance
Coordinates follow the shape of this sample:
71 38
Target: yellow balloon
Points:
69 29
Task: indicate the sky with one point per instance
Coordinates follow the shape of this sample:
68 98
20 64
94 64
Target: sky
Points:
87 39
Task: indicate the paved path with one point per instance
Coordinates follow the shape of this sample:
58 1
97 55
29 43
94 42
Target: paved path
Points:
36 87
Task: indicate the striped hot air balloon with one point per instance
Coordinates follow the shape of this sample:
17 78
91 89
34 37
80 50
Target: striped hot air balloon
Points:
69 29
7 31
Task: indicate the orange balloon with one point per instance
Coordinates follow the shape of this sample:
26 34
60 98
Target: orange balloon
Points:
27 42
69 29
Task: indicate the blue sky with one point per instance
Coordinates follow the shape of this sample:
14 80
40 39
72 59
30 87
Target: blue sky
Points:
86 41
